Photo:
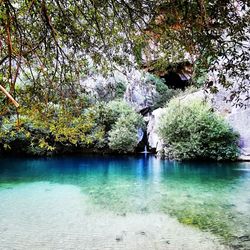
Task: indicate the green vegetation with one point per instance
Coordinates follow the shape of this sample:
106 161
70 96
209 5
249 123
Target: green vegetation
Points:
192 131
120 89
48 48
123 135
58 42
122 138
164 92
60 130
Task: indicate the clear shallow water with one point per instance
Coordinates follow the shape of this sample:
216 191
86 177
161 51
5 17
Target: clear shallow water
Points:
210 196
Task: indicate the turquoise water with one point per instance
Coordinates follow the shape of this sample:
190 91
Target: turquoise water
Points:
213 197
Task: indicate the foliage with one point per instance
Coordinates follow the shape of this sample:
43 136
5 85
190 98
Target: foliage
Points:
215 35
192 131
48 47
120 89
37 134
24 137
56 43
165 93
123 135
41 131
118 108
123 139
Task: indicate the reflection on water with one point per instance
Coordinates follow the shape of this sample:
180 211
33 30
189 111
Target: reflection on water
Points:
211 196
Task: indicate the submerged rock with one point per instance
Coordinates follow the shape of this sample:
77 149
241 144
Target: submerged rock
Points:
119 238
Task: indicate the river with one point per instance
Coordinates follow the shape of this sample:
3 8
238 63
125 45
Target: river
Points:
123 202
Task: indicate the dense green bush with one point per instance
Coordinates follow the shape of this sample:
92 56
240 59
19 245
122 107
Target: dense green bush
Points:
41 131
192 131
123 139
123 135
120 89
116 109
37 134
119 108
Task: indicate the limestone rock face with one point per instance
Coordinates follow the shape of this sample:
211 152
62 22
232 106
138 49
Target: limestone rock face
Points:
103 88
154 140
197 95
240 122
140 94
238 117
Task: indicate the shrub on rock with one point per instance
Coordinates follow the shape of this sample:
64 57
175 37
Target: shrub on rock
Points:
123 136
191 130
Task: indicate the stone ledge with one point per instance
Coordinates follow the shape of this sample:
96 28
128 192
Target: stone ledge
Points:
244 158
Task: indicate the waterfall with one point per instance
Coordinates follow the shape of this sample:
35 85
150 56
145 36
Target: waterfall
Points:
145 150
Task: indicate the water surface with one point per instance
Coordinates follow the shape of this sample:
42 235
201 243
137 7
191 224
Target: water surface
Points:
212 197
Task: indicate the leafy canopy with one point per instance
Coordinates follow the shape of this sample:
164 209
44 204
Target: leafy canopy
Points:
53 43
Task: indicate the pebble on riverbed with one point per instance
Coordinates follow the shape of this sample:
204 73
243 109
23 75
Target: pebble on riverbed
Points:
119 237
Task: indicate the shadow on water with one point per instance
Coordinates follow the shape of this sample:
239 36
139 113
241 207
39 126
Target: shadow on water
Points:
211 196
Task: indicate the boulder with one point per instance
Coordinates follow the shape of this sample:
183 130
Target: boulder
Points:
154 141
